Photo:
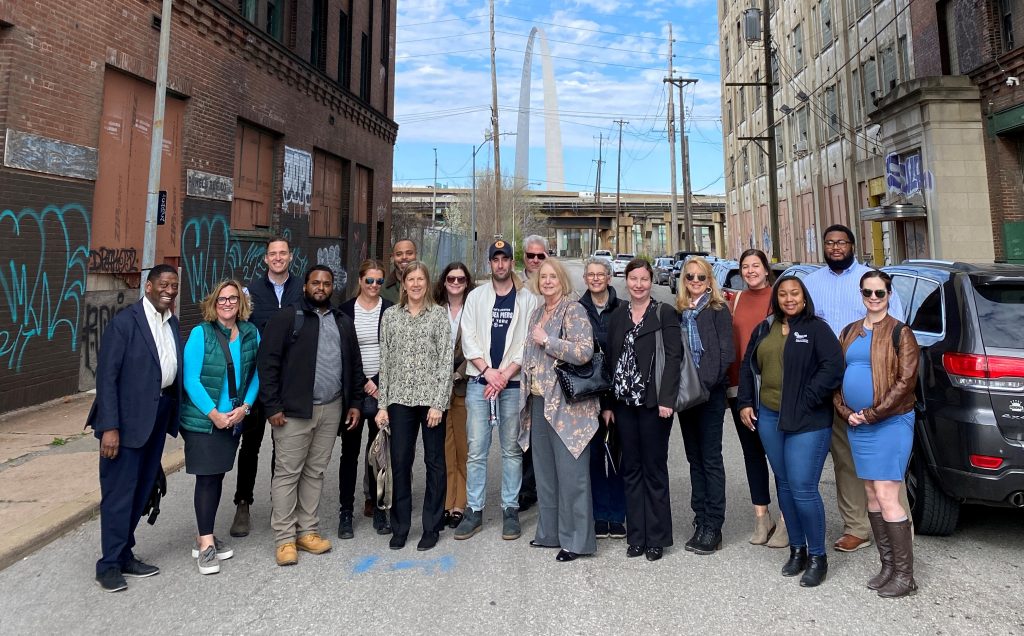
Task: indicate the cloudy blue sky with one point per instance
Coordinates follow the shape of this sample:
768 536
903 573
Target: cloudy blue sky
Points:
609 59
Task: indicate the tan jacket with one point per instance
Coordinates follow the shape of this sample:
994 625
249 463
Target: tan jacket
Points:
893 379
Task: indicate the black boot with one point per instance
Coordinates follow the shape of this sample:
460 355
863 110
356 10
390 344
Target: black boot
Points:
817 569
708 541
797 561
692 541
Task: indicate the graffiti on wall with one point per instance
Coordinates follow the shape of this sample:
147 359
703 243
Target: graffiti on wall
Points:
100 309
331 257
906 174
42 277
298 180
114 260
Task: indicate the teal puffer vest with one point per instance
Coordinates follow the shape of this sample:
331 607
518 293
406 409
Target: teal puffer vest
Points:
213 372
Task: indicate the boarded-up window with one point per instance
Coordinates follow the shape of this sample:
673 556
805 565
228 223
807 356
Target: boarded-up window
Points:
254 178
325 208
119 202
363 212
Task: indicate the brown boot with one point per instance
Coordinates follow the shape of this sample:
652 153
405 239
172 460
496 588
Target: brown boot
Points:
764 527
884 551
902 582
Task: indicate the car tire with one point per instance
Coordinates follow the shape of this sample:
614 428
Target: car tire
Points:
934 512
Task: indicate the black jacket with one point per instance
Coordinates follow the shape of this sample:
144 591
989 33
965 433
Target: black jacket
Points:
599 321
264 300
715 329
667 320
812 368
287 369
349 309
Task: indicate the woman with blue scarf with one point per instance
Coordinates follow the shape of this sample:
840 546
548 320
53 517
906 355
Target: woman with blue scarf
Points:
707 326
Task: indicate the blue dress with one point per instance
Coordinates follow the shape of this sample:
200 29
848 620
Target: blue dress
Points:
880 450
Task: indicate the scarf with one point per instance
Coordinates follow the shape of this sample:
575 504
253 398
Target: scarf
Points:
689 321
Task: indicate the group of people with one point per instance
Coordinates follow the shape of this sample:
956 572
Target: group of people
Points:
805 367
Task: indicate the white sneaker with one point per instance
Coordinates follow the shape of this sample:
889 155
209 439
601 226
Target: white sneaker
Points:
208 562
224 551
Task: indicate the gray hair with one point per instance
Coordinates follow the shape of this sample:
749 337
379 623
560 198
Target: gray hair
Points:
597 261
536 239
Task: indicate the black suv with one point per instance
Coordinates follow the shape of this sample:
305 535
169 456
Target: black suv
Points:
969 431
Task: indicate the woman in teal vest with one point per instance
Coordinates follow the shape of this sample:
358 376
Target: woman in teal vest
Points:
215 404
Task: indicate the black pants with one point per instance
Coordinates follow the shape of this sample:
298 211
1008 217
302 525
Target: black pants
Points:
528 491
348 464
206 501
644 439
754 460
249 453
702 440
406 422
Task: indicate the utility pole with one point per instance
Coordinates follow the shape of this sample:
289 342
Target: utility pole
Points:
433 203
687 212
597 193
495 136
618 188
670 115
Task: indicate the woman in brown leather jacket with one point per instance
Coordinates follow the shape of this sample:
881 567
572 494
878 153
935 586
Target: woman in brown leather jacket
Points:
877 399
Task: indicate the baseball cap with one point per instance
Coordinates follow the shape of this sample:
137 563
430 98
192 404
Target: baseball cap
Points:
499 247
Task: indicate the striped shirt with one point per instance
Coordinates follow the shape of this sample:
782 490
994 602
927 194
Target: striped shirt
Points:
367 322
837 299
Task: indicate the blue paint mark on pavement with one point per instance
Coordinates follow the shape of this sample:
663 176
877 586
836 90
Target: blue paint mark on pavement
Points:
365 564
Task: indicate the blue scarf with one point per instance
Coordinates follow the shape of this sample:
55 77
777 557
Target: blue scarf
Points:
689 322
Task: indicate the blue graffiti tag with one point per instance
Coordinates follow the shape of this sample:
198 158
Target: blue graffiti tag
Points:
440 565
43 283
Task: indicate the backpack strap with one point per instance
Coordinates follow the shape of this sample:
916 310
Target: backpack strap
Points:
300 317
896 332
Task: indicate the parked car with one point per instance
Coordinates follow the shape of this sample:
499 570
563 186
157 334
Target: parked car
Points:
683 255
730 279
677 268
663 270
620 262
969 430
603 254
799 270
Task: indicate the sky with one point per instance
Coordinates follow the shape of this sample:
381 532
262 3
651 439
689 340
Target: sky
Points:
609 58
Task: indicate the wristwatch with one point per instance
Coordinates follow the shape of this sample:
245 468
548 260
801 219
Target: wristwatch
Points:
247 408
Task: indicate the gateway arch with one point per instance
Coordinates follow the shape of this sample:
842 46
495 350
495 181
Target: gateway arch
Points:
555 170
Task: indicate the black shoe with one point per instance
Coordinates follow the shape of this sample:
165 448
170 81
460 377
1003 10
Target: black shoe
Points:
601 529
345 525
797 561
707 541
616 530
455 520
634 551
427 541
446 521
817 569
526 500
111 580
564 556
653 554
533 543
385 524
138 570
397 542
692 541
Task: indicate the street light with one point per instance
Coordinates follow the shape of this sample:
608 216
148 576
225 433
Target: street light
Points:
487 139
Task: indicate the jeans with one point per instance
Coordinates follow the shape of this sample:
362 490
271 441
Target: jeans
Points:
797 460
702 440
607 486
478 433
754 460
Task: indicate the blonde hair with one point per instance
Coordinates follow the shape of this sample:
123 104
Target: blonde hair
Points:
683 296
563 277
403 297
209 304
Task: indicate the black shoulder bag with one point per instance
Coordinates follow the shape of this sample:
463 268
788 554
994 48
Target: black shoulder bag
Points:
582 381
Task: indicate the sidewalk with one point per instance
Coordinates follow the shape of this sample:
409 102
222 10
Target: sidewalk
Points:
49 474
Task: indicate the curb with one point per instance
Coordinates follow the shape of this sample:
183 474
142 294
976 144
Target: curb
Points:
41 531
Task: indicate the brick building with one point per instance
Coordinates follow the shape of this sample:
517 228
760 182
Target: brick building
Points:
279 120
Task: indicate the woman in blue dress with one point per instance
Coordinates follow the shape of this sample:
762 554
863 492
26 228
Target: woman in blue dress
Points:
877 399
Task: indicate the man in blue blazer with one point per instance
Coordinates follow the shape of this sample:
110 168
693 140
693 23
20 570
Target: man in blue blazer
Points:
138 391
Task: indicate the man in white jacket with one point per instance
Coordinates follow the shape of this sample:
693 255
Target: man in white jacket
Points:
494 321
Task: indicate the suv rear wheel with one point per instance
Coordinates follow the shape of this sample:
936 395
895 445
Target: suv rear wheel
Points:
935 512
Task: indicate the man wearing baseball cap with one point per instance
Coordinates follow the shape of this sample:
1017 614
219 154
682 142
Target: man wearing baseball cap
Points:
494 321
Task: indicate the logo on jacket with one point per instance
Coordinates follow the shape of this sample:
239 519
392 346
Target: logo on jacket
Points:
800 337
1016 406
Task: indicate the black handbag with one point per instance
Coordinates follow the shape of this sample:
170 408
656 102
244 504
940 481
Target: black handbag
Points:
582 381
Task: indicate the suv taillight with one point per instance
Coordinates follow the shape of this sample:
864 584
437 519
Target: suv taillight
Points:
974 371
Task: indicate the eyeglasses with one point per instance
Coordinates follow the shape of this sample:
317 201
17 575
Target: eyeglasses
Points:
373 281
596 275
879 293
455 280
536 255
839 243
227 300
700 277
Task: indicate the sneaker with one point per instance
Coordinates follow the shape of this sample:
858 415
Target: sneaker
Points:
472 523
286 554
345 525
510 528
224 551
208 562
601 529
240 524
111 580
313 543
616 530
138 570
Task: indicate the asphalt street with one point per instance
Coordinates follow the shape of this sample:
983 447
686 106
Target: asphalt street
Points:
971 582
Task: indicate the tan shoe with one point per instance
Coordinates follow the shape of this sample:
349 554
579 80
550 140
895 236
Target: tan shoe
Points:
313 543
286 554
780 538
850 543
764 527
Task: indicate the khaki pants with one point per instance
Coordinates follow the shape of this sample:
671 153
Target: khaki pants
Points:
456 448
303 450
850 495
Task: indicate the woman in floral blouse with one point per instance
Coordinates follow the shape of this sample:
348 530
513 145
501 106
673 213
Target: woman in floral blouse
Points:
415 386
559 330
644 404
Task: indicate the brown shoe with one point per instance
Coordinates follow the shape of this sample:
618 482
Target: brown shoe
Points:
850 543
313 543
764 528
286 554
368 508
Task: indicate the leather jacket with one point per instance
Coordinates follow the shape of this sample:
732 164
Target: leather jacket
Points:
893 377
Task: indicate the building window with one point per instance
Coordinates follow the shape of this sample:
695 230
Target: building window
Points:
1006 24
801 125
275 19
728 116
248 9
826 24
329 196
264 14
739 40
780 144
757 89
760 162
744 165
797 43
858 98
776 85
830 126
385 32
741 92
870 77
365 63
318 36
345 51
254 177
862 7
889 71
904 57
725 58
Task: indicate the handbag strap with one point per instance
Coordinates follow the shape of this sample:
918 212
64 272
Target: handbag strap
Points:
223 340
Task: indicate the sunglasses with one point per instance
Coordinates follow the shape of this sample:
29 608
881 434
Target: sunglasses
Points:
700 277
373 281
539 256
879 293
455 280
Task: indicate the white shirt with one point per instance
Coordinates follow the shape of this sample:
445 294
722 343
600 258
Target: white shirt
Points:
160 327
367 323
453 321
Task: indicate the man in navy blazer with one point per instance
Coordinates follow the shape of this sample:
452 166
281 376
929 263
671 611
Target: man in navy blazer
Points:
138 392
